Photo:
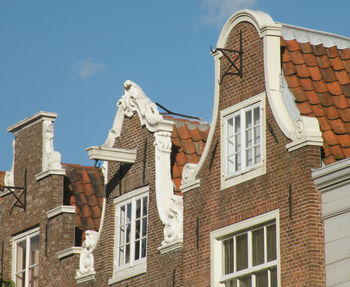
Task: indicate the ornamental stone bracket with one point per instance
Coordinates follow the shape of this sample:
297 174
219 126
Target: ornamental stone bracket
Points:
189 180
86 270
307 132
9 177
51 159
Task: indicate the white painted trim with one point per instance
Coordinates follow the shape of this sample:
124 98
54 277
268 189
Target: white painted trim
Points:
331 176
112 154
191 185
40 116
217 235
49 172
314 37
86 278
257 170
68 252
128 273
131 194
177 245
59 210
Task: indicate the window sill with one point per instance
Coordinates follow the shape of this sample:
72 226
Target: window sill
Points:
128 272
227 182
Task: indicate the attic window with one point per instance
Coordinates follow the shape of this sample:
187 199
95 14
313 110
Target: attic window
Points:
243 141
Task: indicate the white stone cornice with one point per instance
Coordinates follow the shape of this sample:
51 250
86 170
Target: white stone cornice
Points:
68 252
49 172
59 210
112 154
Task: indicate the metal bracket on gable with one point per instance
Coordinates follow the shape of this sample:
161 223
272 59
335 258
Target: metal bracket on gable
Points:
237 55
21 200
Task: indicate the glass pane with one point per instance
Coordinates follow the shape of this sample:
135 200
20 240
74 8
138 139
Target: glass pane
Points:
242 252
249 157
249 138
137 250
256 116
261 279
138 208
128 233
228 256
238 162
237 124
144 206
245 281
127 253
138 229
273 277
230 145
258 246
128 213
232 283
229 131
257 135
121 236
271 242
237 143
257 154
21 256
144 227
34 250
248 119
34 276
144 248
20 280
121 255
122 215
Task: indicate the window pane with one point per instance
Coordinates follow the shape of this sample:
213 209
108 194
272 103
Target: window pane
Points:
237 124
138 229
273 277
229 131
249 138
144 248
248 119
232 283
257 135
138 208
261 279
137 250
228 256
271 242
144 206
122 215
242 252
34 276
128 233
34 250
245 281
258 246
20 280
127 253
257 116
249 157
144 227
121 255
257 154
21 256
128 213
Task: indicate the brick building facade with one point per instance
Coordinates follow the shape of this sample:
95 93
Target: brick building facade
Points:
259 199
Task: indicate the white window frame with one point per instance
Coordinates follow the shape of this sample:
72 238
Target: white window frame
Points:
216 252
15 240
253 171
134 267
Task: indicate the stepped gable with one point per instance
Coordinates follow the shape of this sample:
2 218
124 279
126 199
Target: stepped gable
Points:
84 189
188 141
319 78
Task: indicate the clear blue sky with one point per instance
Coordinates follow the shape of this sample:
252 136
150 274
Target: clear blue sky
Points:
72 57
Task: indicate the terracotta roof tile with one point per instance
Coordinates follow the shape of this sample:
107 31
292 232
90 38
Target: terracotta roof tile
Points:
84 188
188 139
321 89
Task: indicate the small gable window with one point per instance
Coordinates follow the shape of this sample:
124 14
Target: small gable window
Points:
130 246
243 141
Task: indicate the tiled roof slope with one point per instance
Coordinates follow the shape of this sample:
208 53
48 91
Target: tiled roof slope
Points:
319 78
84 189
188 139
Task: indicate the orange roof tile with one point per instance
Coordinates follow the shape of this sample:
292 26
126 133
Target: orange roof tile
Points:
321 88
84 188
188 139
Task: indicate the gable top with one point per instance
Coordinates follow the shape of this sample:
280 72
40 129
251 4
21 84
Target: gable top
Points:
84 189
2 182
316 66
188 142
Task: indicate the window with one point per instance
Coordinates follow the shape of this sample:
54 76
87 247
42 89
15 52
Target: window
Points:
26 259
248 256
243 141
130 234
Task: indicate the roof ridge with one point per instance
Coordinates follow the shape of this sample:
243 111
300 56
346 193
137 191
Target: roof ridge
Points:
315 37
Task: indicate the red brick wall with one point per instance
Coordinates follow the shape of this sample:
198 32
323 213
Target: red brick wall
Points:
301 238
42 196
159 267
